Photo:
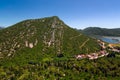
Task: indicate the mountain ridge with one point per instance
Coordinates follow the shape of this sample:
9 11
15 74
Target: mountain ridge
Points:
101 31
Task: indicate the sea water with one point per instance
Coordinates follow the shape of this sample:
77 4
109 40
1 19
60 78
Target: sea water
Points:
110 39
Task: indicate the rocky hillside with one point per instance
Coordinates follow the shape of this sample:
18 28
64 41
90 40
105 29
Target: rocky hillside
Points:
40 37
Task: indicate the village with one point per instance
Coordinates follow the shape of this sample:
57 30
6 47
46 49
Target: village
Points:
103 52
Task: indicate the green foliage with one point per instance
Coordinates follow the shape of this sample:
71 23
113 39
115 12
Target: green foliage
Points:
101 69
20 62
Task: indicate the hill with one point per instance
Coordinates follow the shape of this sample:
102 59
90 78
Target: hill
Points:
101 31
37 38
45 49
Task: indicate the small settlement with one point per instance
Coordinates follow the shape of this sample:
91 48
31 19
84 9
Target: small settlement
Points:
103 52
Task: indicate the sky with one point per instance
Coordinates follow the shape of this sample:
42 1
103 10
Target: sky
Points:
75 13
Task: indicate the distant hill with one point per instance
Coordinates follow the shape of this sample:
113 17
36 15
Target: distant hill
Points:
1 28
101 31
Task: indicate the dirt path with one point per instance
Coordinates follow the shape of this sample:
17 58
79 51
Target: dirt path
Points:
75 36
84 43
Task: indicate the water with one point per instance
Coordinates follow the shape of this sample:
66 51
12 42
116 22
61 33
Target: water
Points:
111 39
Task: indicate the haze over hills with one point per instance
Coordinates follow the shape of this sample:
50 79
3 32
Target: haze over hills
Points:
101 31
1 28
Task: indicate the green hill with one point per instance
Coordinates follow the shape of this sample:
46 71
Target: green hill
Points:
44 49
46 36
101 31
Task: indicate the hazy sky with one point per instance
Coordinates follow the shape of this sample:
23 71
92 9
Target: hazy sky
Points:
75 13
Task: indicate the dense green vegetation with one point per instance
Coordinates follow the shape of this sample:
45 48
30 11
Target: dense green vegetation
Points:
101 31
107 68
45 49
